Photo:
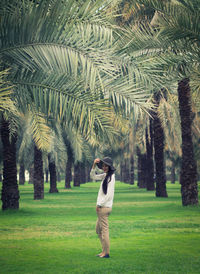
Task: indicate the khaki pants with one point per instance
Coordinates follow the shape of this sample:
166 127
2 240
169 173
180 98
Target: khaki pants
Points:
102 228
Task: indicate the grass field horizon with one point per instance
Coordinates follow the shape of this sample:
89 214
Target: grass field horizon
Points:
57 234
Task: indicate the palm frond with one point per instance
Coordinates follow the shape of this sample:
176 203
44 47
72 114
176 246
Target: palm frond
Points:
6 91
39 129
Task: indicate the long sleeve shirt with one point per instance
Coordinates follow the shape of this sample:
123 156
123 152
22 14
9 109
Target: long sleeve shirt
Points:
104 200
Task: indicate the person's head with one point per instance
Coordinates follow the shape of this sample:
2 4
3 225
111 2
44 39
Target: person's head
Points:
105 168
107 165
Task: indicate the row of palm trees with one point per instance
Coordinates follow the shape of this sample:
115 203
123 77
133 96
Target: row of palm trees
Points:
80 78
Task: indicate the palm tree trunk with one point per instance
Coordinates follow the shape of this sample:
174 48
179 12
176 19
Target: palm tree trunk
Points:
173 173
122 171
77 174
132 170
83 173
10 193
143 175
188 175
21 174
150 164
68 170
126 169
46 175
53 177
68 173
31 175
38 179
88 169
139 168
158 136
58 177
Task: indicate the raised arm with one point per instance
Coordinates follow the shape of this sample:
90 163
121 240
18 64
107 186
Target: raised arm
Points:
93 175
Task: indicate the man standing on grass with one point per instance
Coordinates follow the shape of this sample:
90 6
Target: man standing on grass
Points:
104 201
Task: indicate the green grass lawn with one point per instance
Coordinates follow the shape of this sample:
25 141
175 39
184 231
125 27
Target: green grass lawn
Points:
57 234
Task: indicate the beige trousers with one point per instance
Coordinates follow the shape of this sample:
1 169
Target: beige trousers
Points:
102 228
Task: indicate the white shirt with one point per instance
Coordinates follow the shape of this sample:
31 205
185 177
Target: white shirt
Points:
104 200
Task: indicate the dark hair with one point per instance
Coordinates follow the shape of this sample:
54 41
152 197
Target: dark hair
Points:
107 180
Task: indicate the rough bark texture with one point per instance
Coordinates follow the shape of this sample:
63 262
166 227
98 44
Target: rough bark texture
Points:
150 164
159 152
46 175
38 179
125 174
58 177
88 169
173 173
31 175
132 170
143 175
126 171
122 171
77 174
139 167
188 174
82 173
53 177
21 174
10 193
68 173
68 170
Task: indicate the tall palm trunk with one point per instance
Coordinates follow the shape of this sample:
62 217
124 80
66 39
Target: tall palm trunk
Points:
88 169
46 175
77 174
139 167
143 175
188 175
10 193
82 173
38 179
31 175
159 152
68 170
126 170
173 172
122 171
53 177
68 174
131 169
150 164
21 174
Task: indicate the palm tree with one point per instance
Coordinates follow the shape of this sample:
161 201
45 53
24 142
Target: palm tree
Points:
53 176
172 48
149 152
10 192
159 152
63 63
188 176
178 22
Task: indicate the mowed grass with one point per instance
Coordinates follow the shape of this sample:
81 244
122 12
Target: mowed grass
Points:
57 234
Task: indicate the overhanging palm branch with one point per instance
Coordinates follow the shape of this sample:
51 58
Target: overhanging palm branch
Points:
49 38
35 128
6 90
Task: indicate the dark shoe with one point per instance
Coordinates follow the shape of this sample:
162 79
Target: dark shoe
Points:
106 256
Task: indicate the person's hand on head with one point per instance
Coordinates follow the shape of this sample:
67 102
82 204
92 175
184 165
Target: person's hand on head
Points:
97 160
